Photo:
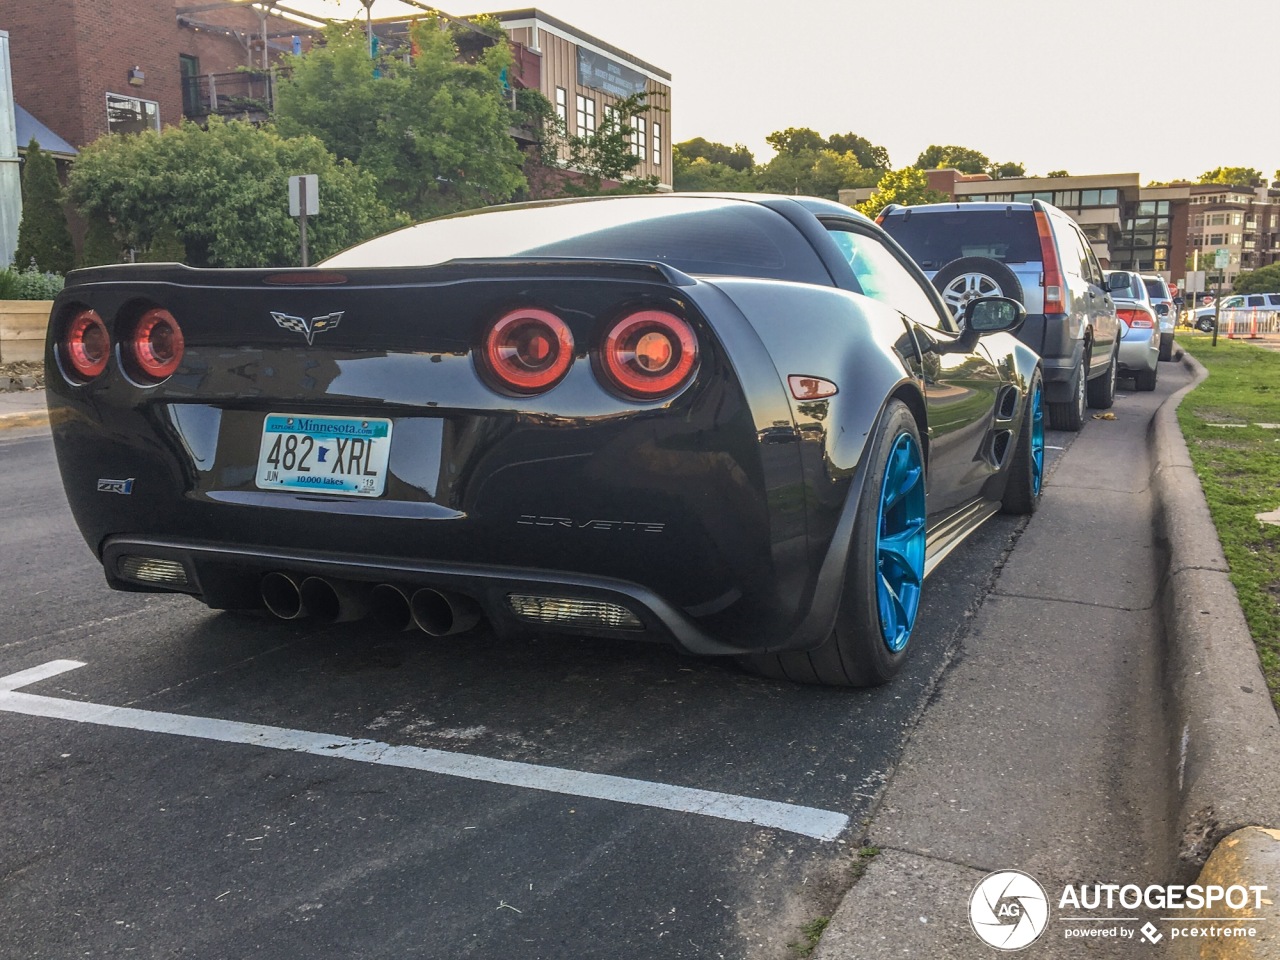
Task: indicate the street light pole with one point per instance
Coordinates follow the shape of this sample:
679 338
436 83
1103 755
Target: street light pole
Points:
368 24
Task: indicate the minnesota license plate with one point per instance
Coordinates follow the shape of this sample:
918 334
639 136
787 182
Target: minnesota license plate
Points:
346 455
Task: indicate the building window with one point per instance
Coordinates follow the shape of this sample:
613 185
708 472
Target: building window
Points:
189 67
586 116
131 115
611 122
562 104
639 136
657 144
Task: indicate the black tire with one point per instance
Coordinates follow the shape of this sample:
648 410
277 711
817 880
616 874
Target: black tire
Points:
1166 346
1022 494
1069 415
1205 324
1145 379
987 278
1102 390
854 655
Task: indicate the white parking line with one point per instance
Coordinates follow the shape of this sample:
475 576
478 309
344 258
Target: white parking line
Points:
808 821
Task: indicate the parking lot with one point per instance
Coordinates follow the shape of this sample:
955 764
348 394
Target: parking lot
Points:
187 783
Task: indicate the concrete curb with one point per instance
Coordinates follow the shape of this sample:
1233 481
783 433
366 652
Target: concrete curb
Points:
12 421
1242 857
1226 735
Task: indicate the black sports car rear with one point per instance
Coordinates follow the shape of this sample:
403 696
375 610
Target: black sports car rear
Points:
678 418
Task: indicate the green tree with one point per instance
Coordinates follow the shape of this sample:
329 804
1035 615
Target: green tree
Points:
1057 173
935 157
433 131
43 235
1262 280
796 141
701 174
1006 171
870 156
222 192
1234 176
101 245
737 157
908 186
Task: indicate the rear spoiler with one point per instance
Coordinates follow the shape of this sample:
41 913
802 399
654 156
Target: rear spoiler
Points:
453 270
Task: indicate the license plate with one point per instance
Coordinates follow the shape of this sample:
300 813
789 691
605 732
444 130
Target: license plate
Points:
345 455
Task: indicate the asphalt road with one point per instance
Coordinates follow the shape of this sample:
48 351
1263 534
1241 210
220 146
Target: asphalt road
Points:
124 842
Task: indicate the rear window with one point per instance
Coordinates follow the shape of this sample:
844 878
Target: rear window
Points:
1156 289
698 235
936 238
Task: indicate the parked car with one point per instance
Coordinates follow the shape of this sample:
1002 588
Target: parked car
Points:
1034 253
1162 301
1267 303
1140 342
740 425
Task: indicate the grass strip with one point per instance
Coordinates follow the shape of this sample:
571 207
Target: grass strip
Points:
1232 426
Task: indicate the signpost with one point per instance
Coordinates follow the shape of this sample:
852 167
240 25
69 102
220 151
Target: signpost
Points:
1221 259
304 201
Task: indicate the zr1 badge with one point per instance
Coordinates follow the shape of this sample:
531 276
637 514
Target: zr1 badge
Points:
116 486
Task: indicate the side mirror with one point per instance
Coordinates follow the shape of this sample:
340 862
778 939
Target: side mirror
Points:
1162 309
993 315
984 315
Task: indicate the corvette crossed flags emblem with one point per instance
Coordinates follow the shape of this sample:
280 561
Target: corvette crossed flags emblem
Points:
308 328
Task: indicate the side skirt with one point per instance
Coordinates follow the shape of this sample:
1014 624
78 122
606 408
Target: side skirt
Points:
952 531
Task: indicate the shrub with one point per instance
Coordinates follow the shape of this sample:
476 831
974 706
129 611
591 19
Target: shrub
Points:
29 284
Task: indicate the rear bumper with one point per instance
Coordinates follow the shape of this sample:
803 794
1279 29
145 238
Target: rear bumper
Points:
228 577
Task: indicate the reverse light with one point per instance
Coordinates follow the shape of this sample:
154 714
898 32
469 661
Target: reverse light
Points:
528 350
1052 276
648 354
86 345
574 612
152 570
154 349
1135 318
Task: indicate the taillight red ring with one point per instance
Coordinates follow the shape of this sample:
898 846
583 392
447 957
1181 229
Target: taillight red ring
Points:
156 346
528 350
86 347
649 354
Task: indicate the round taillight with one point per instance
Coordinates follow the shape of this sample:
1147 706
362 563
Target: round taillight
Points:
86 345
156 346
649 354
528 350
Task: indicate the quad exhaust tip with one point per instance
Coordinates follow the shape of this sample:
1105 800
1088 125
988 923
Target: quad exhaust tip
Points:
437 613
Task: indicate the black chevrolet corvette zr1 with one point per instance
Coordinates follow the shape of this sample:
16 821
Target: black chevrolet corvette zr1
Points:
741 425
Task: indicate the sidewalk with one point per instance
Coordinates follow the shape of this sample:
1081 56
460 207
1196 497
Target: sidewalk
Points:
1068 738
22 408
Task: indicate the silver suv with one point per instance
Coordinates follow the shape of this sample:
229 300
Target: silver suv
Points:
1162 301
1034 253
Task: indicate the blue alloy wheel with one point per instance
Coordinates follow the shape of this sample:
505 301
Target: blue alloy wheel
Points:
1037 439
900 540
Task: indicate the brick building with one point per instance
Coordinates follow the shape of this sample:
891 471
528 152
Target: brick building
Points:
88 67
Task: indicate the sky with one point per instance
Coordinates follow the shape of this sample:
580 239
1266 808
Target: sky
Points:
1166 89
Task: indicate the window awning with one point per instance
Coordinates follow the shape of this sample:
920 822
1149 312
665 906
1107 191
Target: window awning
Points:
29 128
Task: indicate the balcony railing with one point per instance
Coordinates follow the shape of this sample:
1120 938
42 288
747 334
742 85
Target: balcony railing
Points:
240 94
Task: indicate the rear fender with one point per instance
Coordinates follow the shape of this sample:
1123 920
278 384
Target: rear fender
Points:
862 346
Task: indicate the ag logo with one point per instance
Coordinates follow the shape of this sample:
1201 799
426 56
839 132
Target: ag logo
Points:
308 328
1008 910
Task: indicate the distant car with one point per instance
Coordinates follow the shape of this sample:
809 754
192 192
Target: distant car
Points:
1034 253
1162 301
738 425
1140 342
1267 303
